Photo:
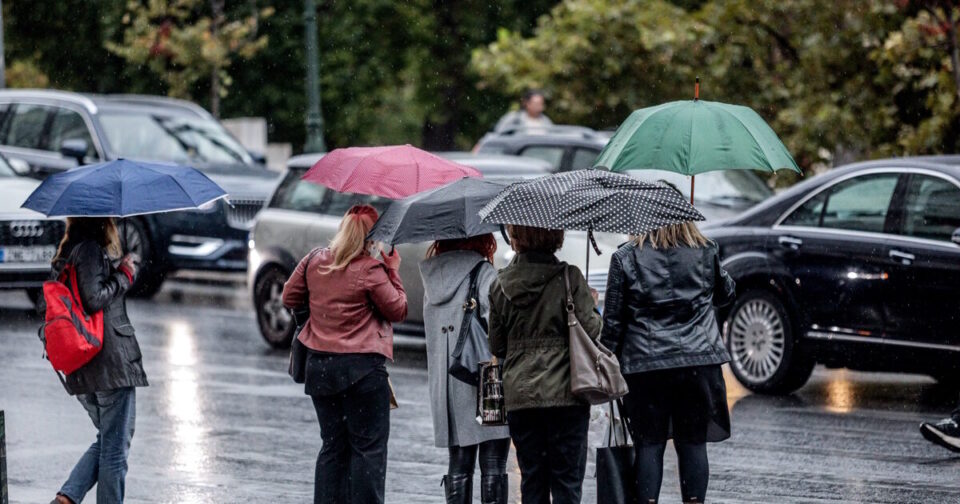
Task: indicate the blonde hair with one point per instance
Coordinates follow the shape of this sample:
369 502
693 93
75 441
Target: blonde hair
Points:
685 234
102 230
351 238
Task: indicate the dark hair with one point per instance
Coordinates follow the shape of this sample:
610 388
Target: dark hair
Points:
485 245
102 230
530 93
534 239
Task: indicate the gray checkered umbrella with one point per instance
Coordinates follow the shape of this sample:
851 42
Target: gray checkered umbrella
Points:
590 200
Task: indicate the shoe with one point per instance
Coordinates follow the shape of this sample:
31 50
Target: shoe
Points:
945 433
494 489
458 488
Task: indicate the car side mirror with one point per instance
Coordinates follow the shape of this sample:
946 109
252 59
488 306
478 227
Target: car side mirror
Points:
956 236
74 148
19 166
258 157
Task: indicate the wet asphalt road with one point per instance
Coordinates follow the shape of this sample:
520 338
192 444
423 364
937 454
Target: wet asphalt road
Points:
221 422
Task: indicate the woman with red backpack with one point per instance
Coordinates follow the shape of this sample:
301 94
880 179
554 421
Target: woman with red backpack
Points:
106 384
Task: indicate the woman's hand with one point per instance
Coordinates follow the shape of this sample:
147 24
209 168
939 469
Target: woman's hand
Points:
392 260
596 297
129 264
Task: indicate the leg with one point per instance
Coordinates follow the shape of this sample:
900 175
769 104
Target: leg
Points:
567 453
494 484
458 483
694 471
333 461
530 440
366 406
84 473
650 471
118 414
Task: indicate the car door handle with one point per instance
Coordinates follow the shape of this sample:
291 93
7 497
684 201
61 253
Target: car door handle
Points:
790 242
904 257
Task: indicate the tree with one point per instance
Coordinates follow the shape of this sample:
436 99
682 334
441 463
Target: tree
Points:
185 41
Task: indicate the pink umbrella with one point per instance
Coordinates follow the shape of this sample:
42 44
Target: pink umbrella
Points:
393 171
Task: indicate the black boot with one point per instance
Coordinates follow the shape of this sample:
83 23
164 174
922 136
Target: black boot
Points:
458 488
493 489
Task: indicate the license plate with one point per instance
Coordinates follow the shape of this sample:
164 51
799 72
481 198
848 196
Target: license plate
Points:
16 254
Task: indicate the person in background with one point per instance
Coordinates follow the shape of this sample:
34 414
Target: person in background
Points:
446 281
528 329
105 386
659 320
530 117
353 299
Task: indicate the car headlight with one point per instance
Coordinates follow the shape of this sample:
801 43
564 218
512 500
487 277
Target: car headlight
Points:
253 257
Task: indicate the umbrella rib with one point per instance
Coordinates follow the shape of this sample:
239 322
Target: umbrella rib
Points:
762 145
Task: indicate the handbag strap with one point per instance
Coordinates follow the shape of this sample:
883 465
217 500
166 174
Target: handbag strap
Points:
472 302
623 422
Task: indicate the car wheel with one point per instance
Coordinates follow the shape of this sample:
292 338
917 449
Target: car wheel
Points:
275 321
137 241
763 351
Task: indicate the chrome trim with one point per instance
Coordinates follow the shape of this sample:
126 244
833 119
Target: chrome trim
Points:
869 171
204 246
863 339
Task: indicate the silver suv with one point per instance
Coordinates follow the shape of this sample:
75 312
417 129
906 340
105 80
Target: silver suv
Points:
302 215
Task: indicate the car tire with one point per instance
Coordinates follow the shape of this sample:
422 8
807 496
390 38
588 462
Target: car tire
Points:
763 350
275 321
150 276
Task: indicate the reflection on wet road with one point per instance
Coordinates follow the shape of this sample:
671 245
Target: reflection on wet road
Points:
222 422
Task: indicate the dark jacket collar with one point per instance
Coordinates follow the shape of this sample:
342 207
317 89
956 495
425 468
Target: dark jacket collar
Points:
535 257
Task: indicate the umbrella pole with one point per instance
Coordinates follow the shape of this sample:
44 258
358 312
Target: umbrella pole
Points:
586 272
691 188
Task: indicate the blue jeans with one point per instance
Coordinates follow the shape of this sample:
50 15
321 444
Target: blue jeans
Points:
105 463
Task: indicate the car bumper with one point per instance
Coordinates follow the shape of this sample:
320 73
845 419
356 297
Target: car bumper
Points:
207 253
23 276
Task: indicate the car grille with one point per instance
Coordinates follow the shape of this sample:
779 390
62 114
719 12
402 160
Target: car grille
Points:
31 232
240 212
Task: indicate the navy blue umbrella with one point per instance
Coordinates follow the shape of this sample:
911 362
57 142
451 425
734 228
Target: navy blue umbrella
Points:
123 188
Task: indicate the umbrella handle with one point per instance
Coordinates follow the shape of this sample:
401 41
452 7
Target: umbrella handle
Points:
692 177
503 232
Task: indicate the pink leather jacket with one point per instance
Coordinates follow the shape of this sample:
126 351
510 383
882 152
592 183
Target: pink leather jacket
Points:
350 309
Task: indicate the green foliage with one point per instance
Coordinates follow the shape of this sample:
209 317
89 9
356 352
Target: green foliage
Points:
837 80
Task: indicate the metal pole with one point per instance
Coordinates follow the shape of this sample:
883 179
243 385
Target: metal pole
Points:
3 61
314 141
4 496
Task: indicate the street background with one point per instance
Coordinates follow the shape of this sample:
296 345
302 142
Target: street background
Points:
221 421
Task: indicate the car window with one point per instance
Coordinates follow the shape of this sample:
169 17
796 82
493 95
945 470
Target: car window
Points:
491 149
552 155
731 188
857 204
293 193
68 125
176 139
583 158
931 208
337 203
26 126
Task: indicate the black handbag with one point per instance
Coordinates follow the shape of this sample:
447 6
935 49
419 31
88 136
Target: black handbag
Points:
616 465
297 369
472 347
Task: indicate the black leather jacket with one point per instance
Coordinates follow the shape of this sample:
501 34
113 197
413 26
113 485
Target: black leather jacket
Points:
103 287
659 309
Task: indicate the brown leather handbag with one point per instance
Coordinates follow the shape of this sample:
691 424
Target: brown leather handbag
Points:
594 370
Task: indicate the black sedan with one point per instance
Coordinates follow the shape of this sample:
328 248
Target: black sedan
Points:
856 268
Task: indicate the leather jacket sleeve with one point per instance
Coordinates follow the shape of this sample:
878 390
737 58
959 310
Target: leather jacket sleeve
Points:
387 293
724 288
497 340
98 283
295 292
612 335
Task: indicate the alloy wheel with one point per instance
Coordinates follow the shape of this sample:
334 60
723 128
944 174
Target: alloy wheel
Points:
757 340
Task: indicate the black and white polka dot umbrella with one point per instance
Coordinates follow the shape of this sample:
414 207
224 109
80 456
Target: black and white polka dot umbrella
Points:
590 200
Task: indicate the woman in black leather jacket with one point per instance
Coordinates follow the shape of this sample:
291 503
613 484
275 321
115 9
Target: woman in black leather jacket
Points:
106 385
659 319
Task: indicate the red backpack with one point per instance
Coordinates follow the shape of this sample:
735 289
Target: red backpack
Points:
71 337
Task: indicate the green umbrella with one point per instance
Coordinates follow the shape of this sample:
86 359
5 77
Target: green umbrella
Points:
695 136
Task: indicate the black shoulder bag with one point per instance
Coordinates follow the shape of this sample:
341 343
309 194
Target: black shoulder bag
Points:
298 351
472 347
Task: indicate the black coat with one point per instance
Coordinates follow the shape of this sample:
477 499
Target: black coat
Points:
103 287
659 310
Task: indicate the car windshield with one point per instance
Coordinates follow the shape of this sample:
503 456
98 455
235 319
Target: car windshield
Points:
727 188
174 139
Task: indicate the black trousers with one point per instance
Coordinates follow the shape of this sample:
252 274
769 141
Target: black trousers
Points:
354 426
493 458
551 448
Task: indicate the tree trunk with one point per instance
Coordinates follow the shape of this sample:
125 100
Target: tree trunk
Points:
954 53
216 18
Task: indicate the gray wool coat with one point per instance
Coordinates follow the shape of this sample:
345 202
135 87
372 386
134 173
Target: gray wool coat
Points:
446 283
